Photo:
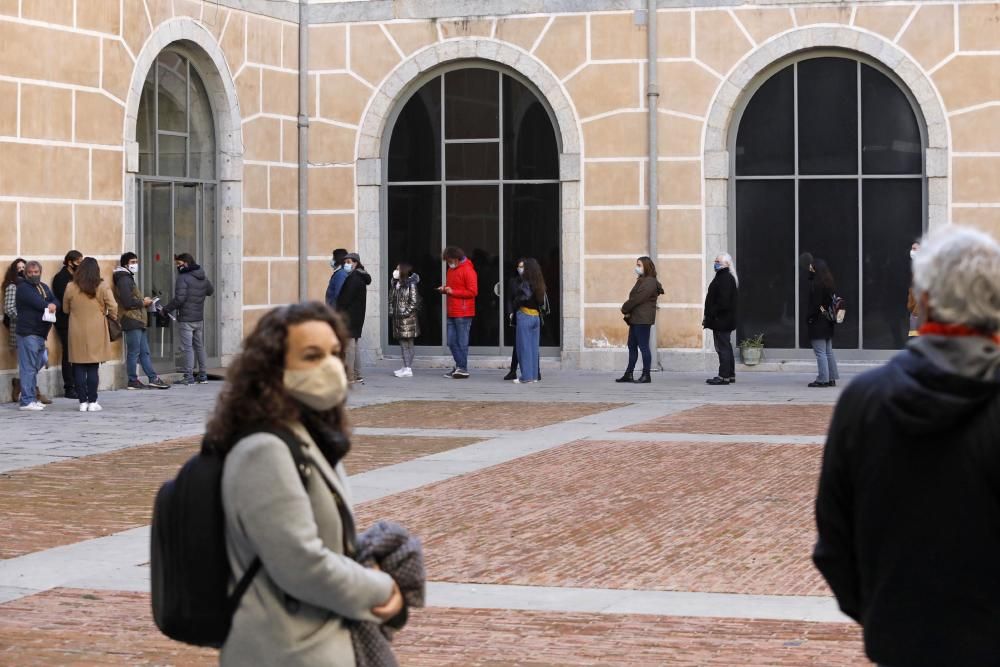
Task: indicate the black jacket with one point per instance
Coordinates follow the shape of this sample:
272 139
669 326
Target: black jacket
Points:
59 283
908 509
32 301
352 300
720 302
817 322
131 309
190 291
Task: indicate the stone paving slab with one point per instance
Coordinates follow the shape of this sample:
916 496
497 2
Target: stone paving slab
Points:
458 415
86 627
706 517
85 498
725 419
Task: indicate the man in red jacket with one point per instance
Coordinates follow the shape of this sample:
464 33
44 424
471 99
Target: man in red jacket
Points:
461 287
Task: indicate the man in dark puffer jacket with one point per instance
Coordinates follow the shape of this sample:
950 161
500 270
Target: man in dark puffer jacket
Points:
190 291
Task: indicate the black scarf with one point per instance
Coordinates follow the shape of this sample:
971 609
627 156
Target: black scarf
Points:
330 440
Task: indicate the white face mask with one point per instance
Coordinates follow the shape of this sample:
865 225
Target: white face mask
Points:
133 268
395 274
520 270
913 254
638 270
452 266
322 388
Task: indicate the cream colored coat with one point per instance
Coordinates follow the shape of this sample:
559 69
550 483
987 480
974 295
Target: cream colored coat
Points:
89 342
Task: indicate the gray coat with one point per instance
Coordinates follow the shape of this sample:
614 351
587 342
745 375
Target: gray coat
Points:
297 533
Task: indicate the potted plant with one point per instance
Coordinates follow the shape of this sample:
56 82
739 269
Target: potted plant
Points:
752 349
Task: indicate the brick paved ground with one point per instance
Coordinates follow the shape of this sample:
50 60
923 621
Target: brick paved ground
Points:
66 502
709 517
80 627
738 419
473 414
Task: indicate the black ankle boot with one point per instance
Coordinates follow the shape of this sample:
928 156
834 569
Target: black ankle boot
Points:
511 375
627 377
644 378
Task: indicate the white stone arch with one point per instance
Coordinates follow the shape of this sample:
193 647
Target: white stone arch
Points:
207 57
733 93
373 139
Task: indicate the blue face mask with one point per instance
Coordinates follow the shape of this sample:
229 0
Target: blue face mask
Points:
717 266
348 267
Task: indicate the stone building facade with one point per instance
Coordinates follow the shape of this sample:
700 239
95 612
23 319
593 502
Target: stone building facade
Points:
88 161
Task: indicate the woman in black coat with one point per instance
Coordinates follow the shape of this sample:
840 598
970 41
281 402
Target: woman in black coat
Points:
720 316
819 324
351 303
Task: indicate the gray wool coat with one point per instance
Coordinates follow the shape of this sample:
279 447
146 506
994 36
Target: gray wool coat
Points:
298 535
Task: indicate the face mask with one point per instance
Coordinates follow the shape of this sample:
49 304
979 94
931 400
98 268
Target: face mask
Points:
638 270
133 269
717 266
395 274
180 268
520 270
34 280
333 263
913 254
452 265
321 388
348 268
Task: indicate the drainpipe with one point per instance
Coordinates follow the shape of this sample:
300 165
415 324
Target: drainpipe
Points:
652 100
303 125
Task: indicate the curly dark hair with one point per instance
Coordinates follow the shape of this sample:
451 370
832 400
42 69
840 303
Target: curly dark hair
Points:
10 277
254 394
88 276
533 276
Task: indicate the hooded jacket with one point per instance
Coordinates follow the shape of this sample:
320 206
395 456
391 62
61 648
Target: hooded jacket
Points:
464 284
908 508
132 311
190 291
404 307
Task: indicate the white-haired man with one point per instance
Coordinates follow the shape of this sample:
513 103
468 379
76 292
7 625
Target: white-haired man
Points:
908 509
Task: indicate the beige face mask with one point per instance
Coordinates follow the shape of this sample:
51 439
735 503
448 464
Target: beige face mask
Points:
321 388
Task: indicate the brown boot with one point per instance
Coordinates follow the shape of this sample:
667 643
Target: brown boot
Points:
42 398
15 390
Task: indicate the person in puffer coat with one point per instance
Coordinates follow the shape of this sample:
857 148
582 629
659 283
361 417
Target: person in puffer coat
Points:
190 291
404 307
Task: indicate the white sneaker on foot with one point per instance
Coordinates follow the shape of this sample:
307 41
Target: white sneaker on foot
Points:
94 407
405 372
84 407
34 406
399 372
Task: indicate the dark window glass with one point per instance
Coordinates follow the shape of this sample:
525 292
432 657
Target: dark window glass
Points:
473 213
891 142
530 149
828 229
531 229
472 104
472 162
415 237
765 143
765 246
893 219
415 148
828 116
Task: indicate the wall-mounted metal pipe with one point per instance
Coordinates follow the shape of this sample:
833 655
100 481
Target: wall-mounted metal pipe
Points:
652 184
303 124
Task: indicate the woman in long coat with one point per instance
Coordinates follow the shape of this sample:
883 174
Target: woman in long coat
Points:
89 301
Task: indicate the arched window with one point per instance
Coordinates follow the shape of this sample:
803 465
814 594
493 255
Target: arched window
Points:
176 186
829 160
473 162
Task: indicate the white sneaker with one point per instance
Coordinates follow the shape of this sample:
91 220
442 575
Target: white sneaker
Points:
405 373
34 406
94 407
399 372
84 407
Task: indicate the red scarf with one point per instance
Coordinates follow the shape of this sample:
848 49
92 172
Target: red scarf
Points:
938 329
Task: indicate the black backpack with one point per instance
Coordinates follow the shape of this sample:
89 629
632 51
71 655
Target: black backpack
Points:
188 562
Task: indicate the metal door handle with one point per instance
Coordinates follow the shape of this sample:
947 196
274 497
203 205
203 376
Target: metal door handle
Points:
496 289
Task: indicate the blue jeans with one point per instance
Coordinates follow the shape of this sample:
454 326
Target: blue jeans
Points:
529 331
826 363
638 341
31 358
458 340
137 350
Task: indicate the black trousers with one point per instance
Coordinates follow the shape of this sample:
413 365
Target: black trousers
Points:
513 345
724 348
69 379
87 379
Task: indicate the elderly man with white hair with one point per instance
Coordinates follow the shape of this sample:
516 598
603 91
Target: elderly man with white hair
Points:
908 508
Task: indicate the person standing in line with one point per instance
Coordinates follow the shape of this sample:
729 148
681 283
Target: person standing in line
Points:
720 316
513 288
640 314
134 319
460 289
529 302
404 308
820 325
12 276
36 312
336 278
190 291
911 300
71 262
89 303
908 504
352 302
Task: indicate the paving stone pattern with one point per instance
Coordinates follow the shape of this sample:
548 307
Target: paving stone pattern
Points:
721 419
511 415
81 627
706 517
